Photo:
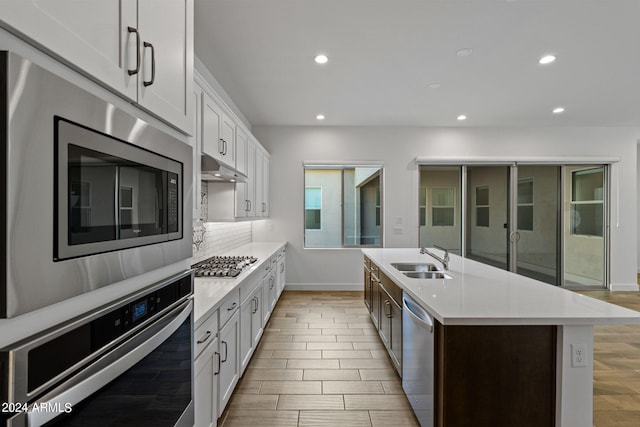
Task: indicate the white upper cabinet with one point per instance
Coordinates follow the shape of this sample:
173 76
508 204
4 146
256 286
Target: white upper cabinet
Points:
112 41
218 133
166 73
242 140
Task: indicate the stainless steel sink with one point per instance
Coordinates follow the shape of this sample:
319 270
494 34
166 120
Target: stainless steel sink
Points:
407 266
427 275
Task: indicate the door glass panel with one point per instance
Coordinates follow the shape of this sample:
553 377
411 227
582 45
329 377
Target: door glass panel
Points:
487 212
439 207
538 197
584 212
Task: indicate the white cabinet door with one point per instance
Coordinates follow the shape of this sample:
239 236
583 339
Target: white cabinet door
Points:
259 182
245 191
265 186
196 143
229 362
228 136
246 336
166 74
270 295
211 127
91 35
206 386
256 317
281 275
242 140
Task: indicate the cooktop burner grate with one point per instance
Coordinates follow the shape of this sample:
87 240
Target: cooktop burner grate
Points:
223 266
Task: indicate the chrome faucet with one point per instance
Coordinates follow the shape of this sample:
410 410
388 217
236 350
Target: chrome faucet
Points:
444 261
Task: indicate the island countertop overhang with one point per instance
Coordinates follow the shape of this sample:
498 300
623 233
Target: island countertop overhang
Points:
478 294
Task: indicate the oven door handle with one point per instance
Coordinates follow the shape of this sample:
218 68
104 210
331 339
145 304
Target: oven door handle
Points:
111 365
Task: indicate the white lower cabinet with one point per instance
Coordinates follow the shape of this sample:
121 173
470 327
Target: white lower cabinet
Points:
206 369
250 324
281 272
229 360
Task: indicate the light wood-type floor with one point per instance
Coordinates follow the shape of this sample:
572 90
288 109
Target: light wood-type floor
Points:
321 363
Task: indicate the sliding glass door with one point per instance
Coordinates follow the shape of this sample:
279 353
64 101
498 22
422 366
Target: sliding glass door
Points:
547 222
487 215
537 234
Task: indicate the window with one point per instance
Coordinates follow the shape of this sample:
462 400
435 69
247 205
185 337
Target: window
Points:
525 204
312 208
443 207
482 206
423 206
587 202
343 206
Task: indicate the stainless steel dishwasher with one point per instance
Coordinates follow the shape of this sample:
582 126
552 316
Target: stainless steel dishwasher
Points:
418 360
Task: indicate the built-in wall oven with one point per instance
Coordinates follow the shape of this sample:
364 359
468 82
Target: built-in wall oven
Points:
92 195
126 364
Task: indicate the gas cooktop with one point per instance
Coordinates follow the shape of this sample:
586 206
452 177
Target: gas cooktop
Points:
223 266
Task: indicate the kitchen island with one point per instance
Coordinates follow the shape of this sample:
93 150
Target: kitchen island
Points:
503 342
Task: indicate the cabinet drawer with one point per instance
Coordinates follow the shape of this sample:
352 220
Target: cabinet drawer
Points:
205 334
228 307
248 287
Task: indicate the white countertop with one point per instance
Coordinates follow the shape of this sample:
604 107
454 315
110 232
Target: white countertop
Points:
478 294
209 292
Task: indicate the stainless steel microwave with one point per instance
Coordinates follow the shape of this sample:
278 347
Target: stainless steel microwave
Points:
111 194
92 194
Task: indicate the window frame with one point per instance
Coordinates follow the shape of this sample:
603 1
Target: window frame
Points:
341 166
593 202
531 204
433 206
487 206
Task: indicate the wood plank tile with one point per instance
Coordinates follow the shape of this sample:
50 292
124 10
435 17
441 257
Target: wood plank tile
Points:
268 363
346 354
364 363
313 364
291 387
256 401
393 418
310 402
248 387
253 418
314 338
338 332
329 346
358 338
334 418
296 354
392 387
253 374
374 402
352 387
373 345
331 374
379 374
277 345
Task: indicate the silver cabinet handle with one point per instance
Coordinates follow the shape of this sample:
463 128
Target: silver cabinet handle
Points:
220 144
255 300
246 209
137 69
282 268
250 206
226 351
153 65
218 372
224 147
206 337
233 306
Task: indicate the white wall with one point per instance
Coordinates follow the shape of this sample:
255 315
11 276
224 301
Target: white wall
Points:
397 148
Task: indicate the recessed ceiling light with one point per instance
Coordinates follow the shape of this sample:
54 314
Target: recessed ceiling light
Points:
434 85
216 174
464 52
462 117
321 59
558 110
232 180
547 59
320 117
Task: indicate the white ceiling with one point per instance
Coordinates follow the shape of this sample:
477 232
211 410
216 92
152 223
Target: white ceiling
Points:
384 54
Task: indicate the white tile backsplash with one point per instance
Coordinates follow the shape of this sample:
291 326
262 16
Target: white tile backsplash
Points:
220 237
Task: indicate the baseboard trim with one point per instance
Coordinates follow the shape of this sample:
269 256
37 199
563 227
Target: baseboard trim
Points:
621 287
324 287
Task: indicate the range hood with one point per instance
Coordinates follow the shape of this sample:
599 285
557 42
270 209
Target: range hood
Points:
212 170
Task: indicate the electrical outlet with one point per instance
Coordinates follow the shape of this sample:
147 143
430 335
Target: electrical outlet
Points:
579 355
